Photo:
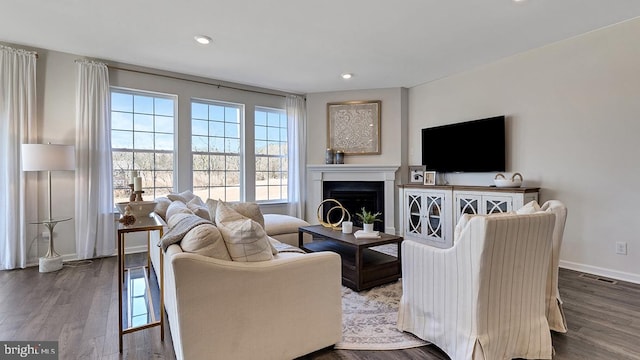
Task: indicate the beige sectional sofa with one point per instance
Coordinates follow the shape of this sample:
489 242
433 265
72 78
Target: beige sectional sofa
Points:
281 308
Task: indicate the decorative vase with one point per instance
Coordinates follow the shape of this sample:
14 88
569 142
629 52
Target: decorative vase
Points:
368 227
339 157
328 158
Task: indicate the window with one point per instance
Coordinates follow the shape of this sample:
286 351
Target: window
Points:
216 149
142 139
271 154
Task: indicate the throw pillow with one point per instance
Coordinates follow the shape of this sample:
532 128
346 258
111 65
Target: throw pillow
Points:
177 207
245 239
247 209
529 208
205 240
162 206
199 208
184 196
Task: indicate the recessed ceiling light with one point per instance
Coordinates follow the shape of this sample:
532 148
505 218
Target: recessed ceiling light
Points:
202 39
518 1
347 76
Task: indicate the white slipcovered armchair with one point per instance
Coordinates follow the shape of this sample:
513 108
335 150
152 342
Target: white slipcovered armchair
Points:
483 298
555 314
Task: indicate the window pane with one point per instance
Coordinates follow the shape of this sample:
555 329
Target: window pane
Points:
261 133
199 143
164 161
143 104
232 130
164 124
199 111
261 147
164 142
143 140
261 118
121 102
216 144
273 133
121 139
216 112
273 119
142 122
163 107
216 128
122 161
199 127
232 146
121 121
200 162
231 114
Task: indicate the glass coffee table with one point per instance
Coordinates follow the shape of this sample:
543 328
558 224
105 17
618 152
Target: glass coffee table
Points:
362 267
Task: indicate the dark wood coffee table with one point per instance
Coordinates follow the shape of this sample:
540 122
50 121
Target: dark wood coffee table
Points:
362 268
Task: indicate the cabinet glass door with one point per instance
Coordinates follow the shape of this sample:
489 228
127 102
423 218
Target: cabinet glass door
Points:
497 205
414 225
434 211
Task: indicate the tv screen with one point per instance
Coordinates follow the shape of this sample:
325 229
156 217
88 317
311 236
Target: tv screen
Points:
472 146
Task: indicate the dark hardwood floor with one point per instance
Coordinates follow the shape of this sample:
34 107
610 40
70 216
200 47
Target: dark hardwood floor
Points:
78 307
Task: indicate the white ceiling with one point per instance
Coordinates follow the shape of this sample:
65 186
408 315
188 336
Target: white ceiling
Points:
303 46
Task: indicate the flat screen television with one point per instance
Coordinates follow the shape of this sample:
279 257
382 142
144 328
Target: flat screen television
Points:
471 146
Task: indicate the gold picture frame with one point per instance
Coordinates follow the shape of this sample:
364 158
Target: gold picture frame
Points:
353 127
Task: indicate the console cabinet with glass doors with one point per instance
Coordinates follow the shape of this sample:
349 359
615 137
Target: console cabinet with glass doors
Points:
430 213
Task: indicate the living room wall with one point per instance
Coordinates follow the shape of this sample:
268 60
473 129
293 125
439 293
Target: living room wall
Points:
572 110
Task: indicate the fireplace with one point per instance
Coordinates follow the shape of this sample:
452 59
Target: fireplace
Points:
354 195
346 173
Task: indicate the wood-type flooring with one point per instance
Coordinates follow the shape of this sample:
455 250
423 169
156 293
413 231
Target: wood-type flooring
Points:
78 307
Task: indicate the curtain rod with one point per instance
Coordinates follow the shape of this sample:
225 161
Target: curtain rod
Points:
195 81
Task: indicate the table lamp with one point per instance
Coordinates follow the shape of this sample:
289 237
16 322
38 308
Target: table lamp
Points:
49 157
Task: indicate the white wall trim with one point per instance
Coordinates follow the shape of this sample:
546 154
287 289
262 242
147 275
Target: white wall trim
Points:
359 172
614 274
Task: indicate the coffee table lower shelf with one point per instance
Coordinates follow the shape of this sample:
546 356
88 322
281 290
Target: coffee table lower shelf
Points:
376 268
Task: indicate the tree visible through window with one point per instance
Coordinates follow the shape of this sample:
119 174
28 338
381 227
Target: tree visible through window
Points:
142 139
271 154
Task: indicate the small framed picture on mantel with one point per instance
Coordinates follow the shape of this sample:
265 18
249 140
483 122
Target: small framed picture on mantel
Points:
416 174
429 178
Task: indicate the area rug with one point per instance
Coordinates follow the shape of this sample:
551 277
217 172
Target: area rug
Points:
369 320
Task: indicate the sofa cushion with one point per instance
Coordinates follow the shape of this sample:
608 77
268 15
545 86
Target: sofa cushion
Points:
177 207
184 196
247 209
206 240
245 239
276 224
199 208
162 206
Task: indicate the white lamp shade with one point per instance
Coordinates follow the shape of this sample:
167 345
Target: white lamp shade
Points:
48 157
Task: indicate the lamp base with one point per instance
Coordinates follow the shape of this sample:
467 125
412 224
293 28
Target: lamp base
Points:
49 264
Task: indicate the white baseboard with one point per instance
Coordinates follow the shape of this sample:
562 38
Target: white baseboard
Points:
74 257
595 270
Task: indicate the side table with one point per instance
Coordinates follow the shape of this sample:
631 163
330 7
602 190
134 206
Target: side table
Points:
139 306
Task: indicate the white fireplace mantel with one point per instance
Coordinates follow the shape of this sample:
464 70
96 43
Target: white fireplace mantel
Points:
350 172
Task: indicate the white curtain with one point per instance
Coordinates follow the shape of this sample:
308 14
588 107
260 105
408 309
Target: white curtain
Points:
18 190
297 127
95 229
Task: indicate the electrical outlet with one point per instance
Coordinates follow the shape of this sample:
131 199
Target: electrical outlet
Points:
621 248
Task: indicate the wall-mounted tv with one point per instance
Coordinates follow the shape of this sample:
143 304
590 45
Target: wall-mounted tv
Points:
471 146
